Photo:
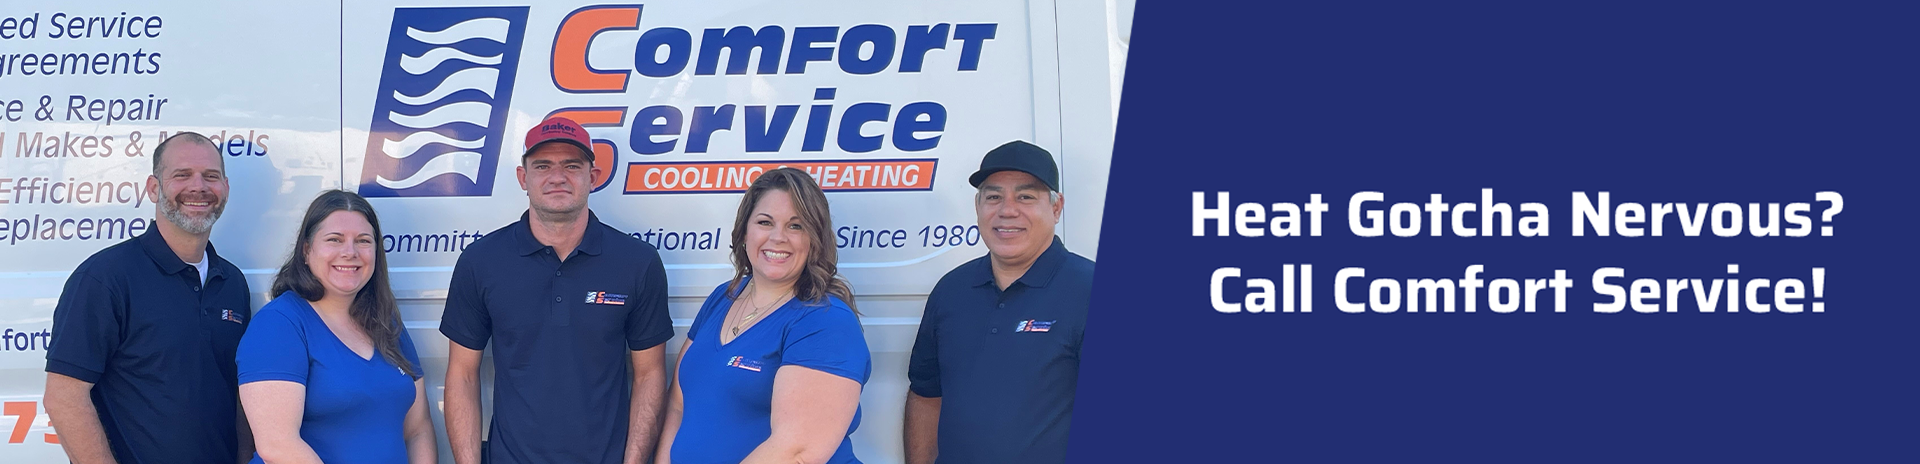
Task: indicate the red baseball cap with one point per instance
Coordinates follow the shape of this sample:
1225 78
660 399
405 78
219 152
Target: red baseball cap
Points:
559 129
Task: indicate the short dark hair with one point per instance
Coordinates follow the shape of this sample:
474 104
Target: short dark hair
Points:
374 308
188 137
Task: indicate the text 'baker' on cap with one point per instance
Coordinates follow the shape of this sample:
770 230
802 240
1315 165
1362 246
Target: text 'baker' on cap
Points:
559 129
1020 156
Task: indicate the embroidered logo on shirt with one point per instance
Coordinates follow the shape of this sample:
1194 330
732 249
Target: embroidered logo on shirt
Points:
230 316
1031 325
605 298
744 363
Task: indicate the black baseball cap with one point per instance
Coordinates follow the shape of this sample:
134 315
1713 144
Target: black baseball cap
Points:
1020 156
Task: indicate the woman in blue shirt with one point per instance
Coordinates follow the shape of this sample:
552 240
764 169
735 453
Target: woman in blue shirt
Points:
771 370
327 371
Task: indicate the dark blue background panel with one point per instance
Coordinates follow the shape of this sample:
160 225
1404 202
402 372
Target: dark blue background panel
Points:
1653 102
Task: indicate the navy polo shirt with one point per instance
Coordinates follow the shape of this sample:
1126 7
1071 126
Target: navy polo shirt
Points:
562 334
135 321
1004 363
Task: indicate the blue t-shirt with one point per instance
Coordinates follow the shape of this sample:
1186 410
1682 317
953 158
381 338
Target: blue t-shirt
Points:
727 390
356 408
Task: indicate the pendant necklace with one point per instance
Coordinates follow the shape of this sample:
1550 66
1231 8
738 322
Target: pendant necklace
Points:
747 319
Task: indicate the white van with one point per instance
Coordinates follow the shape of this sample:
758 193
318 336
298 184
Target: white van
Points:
420 106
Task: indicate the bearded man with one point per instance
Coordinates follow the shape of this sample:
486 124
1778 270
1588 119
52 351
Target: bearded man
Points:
141 369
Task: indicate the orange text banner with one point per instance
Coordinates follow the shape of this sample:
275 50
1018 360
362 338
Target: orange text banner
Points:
734 177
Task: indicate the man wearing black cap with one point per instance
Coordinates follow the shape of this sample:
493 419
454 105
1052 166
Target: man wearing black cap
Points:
577 312
994 367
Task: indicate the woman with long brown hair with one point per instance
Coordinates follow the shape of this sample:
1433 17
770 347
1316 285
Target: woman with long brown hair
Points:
772 369
327 371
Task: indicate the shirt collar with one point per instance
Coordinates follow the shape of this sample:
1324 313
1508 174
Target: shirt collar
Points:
590 243
1042 271
169 263
528 245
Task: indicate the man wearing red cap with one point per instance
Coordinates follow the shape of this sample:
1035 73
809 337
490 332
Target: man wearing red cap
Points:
577 312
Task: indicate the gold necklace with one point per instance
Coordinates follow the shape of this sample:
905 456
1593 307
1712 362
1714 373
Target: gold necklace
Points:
744 320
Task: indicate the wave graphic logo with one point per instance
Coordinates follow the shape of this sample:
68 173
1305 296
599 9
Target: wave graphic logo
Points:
440 111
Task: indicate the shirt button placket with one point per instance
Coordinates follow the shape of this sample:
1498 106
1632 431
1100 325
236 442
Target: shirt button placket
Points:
560 314
996 329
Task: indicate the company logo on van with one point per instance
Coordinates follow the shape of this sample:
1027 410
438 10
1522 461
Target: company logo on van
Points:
439 114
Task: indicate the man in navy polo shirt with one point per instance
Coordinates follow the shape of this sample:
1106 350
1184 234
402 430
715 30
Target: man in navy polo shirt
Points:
577 312
141 367
993 371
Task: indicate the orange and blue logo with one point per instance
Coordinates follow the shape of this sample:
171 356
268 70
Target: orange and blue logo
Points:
439 113
604 298
743 363
822 124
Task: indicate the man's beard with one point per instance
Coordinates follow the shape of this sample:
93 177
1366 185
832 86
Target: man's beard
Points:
170 209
